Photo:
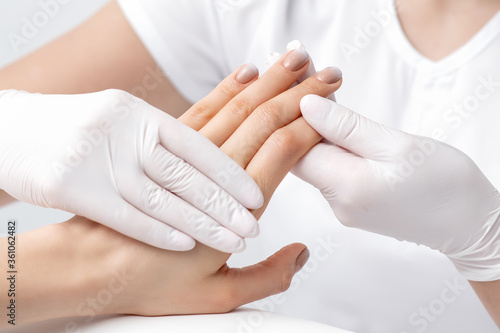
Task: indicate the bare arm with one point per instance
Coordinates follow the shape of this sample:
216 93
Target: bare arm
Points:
103 53
489 294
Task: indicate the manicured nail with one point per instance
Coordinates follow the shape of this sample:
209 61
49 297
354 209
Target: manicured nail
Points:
296 60
246 73
301 260
329 75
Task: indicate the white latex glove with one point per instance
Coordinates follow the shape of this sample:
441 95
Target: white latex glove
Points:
404 186
117 160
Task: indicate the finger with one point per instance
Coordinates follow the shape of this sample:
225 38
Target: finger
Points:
269 277
279 154
276 113
346 128
175 175
165 206
329 168
271 59
144 228
311 70
204 156
272 83
201 113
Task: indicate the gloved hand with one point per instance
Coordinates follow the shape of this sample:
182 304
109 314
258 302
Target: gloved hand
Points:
117 160
408 187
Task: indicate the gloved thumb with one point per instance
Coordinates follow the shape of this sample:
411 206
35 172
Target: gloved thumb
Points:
346 128
269 277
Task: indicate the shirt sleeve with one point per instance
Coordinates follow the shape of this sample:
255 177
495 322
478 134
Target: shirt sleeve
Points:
184 39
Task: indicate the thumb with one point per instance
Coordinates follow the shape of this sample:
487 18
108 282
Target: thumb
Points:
271 276
346 128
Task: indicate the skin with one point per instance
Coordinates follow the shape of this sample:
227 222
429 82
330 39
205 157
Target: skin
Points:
435 28
63 268
119 60
438 28
5 199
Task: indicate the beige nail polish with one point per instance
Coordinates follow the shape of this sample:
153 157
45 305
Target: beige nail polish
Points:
296 60
329 75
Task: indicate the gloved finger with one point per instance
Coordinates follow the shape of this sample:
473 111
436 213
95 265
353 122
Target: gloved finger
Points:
239 286
279 154
203 155
201 113
163 205
276 113
182 179
272 83
145 229
311 70
329 168
348 129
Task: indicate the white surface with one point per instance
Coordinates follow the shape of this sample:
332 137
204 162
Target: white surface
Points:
366 283
239 321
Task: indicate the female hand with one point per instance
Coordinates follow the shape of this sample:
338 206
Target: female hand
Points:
266 136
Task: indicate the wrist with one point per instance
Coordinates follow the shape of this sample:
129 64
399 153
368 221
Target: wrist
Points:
481 260
61 269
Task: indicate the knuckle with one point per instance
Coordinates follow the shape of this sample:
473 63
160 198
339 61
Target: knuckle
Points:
212 198
176 174
348 124
229 89
201 111
241 108
286 143
154 198
270 113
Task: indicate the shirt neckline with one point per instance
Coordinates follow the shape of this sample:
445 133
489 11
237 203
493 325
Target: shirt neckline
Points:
452 61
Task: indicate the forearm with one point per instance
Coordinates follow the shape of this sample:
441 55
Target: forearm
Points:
489 294
118 60
56 270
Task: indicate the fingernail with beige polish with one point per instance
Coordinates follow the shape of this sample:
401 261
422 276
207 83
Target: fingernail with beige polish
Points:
330 75
246 73
296 60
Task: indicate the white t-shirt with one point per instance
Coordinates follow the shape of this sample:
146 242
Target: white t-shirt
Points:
354 280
